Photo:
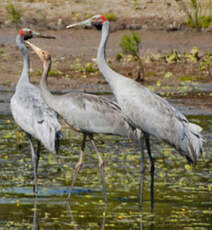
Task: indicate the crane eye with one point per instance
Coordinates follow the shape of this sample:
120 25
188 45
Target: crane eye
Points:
28 33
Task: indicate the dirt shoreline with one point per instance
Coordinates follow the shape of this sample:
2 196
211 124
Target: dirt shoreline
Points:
83 44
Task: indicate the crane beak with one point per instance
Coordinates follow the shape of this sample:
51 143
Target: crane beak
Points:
46 36
36 49
86 23
38 35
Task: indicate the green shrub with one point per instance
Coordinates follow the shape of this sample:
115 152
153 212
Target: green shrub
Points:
130 44
111 16
14 13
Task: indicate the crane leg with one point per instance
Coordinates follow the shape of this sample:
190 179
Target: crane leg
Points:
78 165
35 161
152 169
35 221
143 167
58 136
101 167
38 155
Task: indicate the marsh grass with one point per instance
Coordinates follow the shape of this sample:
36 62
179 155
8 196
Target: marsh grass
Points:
199 13
87 68
14 13
111 16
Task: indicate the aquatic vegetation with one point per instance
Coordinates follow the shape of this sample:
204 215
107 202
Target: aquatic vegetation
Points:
182 192
3 55
54 73
189 78
206 64
168 75
174 56
87 68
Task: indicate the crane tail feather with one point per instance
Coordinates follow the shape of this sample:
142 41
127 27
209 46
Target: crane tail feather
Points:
193 143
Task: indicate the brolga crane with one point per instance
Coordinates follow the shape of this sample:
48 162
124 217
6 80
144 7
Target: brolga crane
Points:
86 113
147 111
30 111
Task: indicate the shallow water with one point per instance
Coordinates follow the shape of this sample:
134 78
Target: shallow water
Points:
183 195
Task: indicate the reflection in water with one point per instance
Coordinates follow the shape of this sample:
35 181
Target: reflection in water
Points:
104 214
182 193
71 215
76 225
35 224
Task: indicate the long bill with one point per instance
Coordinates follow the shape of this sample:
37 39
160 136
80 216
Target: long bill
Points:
39 35
46 36
83 23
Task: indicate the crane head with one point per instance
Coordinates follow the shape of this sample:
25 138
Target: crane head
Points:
42 54
96 21
27 33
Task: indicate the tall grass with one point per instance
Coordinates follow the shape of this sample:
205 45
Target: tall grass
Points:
198 12
14 13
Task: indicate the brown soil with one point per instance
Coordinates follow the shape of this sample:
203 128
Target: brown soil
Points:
82 43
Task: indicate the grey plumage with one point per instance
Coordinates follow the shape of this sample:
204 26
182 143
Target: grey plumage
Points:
149 112
30 111
92 114
146 110
33 115
86 113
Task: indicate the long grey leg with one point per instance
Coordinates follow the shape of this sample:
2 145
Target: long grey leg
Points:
143 167
38 155
152 169
35 161
104 218
58 136
78 165
35 225
101 167
75 225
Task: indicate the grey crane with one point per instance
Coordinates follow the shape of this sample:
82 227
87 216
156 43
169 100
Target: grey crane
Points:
147 111
30 111
86 113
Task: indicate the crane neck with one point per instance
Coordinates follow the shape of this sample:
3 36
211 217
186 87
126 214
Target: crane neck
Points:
25 75
45 92
109 75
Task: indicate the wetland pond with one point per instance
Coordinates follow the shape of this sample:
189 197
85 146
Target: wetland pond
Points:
183 194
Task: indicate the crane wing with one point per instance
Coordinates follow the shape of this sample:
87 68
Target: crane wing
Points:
34 116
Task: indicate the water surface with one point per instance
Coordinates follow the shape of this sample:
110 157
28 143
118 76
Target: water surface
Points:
183 194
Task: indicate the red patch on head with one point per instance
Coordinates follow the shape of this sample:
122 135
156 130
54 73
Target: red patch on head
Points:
104 19
21 32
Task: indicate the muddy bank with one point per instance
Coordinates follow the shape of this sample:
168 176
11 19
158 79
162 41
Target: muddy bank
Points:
82 44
